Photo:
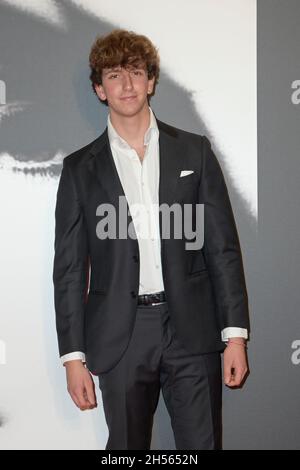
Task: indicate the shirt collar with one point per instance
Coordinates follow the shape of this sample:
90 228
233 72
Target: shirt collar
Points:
151 133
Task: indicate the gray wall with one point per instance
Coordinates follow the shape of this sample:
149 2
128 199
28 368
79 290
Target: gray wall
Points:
269 406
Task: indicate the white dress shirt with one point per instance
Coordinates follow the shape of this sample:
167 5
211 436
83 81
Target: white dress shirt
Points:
140 182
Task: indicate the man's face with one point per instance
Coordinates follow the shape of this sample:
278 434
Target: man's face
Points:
125 89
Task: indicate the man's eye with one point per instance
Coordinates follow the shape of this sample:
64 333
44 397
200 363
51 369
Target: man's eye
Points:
136 72
113 76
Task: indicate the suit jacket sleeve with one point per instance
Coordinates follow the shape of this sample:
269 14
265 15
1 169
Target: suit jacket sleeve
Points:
71 265
221 244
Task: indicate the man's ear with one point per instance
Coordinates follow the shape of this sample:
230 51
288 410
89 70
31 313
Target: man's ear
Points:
100 92
151 83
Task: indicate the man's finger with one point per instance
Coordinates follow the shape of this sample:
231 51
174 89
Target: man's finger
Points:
90 400
76 400
227 374
80 399
90 394
236 379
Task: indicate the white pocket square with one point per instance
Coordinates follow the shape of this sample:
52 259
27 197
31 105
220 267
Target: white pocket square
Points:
186 172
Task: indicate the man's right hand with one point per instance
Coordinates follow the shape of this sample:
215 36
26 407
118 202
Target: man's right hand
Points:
80 385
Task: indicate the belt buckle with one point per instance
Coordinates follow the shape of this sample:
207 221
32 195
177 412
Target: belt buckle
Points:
148 299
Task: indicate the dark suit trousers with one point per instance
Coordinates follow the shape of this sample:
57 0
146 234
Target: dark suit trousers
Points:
191 386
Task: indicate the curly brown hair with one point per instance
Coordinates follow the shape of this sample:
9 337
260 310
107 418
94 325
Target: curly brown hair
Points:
126 49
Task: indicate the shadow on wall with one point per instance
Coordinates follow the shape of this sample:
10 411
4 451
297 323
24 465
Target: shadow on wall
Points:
50 111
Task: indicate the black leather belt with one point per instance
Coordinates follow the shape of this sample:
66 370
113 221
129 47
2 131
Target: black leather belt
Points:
154 298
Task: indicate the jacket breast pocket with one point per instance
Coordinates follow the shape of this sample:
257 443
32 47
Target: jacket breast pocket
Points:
187 189
188 179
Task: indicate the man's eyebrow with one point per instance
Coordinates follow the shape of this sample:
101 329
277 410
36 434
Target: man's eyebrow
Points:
111 69
118 67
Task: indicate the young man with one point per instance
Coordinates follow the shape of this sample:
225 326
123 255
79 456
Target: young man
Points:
157 314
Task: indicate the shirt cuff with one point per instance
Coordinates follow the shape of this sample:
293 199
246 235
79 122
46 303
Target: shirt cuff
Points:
233 332
73 356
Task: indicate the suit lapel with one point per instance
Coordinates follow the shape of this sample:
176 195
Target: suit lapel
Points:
170 162
102 165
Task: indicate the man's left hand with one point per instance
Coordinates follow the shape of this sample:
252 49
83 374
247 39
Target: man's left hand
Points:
235 362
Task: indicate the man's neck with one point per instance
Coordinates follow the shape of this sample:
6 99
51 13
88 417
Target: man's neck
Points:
132 128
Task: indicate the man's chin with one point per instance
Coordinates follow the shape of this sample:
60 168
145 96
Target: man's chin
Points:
130 109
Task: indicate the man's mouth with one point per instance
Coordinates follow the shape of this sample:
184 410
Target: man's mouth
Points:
128 98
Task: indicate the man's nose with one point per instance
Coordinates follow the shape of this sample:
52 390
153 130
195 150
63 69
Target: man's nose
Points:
127 81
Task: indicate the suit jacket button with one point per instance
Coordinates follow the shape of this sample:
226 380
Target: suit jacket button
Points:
133 294
136 258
